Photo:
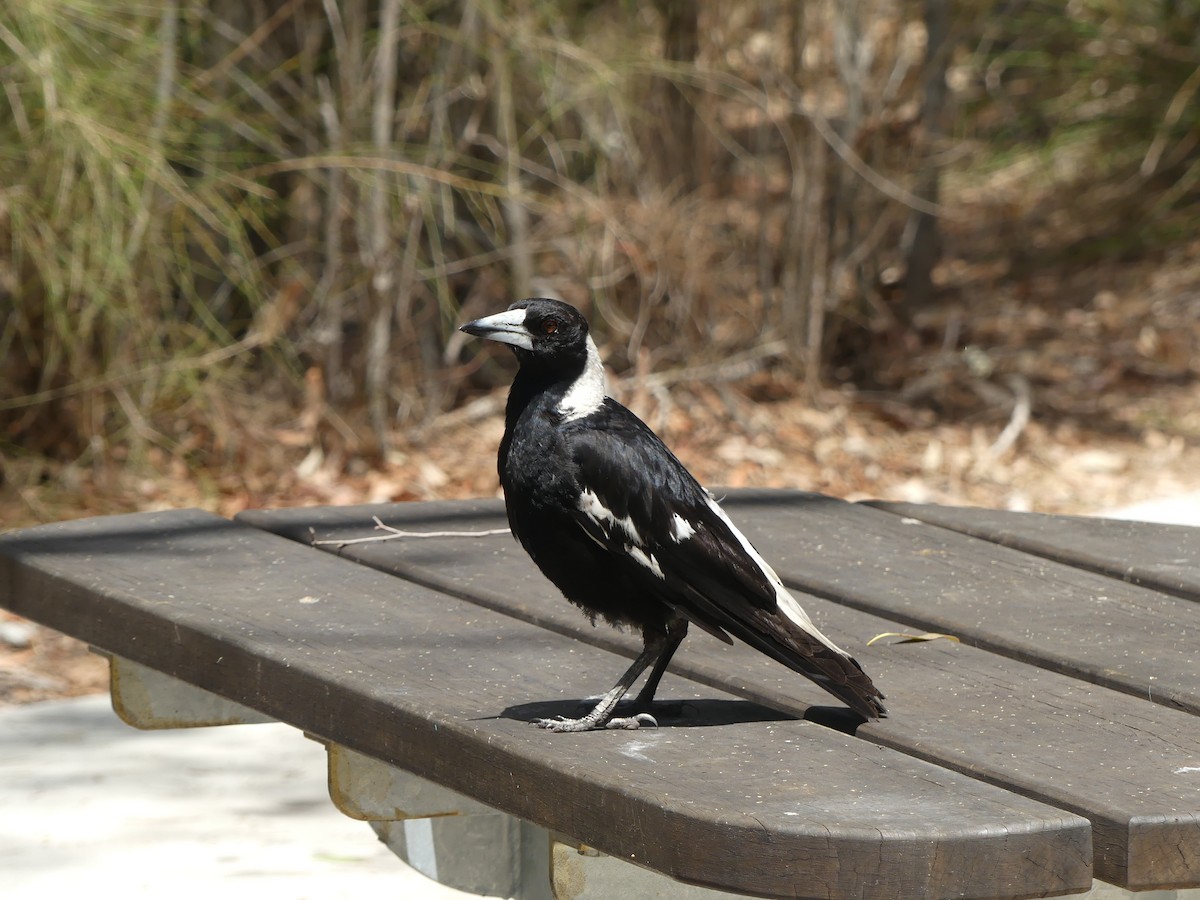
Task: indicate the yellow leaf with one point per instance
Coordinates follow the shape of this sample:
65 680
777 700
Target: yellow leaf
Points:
906 638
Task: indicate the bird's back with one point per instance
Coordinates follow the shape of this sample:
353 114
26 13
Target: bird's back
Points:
621 527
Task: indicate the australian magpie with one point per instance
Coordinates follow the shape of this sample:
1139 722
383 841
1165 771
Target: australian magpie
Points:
618 524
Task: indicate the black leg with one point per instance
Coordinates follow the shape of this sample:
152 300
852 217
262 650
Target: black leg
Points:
602 716
676 632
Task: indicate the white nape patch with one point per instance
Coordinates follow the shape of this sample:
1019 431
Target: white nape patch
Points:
681 529
646 560
788 605
587 393
590 506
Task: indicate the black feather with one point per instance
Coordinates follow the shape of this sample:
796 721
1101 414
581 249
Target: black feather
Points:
619 525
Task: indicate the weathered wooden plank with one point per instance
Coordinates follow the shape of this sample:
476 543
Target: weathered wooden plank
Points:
1125 763
1161 557
1081 623
418 679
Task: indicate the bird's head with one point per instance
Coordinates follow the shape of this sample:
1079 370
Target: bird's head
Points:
546 332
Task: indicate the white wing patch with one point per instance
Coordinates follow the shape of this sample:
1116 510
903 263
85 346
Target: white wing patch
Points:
786 603
592 507
645 559
587 393
681 529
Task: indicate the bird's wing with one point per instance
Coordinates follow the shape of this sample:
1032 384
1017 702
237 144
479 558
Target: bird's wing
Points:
642 505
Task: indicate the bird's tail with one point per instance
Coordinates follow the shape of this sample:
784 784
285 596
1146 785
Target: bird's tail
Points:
818 659
853 687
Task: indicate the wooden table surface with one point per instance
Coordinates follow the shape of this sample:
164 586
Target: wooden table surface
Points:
1057 739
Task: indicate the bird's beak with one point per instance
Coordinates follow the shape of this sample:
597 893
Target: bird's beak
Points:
507 327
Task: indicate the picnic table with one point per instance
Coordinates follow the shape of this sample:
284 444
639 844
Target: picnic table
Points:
1056 739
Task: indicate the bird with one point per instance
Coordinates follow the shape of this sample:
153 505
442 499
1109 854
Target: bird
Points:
620 526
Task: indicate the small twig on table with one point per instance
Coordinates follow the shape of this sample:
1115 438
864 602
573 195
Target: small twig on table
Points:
394 533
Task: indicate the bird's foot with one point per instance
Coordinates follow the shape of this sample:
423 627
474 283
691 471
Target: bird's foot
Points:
632 723
590 723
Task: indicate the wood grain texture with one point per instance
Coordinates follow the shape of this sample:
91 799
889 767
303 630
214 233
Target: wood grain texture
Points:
1162 557
1124 763
755 803
1033 609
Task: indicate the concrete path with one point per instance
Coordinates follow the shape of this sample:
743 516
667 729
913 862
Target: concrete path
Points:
90 807
1181 510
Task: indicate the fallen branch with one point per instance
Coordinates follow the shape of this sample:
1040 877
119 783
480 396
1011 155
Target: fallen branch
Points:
396 533
734 367
1022 406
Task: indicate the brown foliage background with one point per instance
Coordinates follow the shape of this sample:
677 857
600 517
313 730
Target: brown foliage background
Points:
238 237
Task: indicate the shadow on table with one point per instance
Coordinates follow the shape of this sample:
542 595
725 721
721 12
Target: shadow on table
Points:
692 713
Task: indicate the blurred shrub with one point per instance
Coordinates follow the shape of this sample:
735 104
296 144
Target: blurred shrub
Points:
1103 92
304 199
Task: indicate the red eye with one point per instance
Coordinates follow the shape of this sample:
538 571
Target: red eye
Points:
550 326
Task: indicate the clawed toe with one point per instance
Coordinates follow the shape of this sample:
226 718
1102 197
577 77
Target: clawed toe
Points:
631 723
561 724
